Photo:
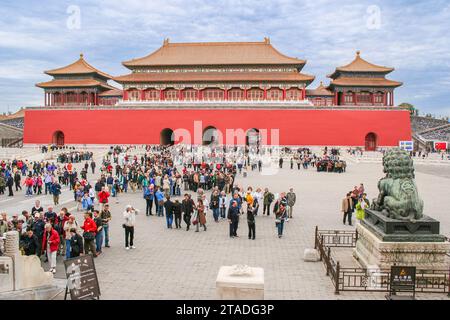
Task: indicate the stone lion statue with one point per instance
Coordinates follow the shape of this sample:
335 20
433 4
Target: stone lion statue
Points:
398 198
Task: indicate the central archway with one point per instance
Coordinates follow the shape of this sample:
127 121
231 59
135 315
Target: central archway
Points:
252 138
166 137
371 141
58 138
210 136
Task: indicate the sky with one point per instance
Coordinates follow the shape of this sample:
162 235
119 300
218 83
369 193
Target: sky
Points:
411 36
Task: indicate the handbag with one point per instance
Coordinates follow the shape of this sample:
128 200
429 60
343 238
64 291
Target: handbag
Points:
88 236
194 218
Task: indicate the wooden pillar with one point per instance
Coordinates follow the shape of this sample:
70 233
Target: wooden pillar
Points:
245 94
225 94
344 98
392 98
142 95
78 97
45 99
180 94
265 94
336 98
161 94
384 99
284 94
372 98
125 95
355 99
303 93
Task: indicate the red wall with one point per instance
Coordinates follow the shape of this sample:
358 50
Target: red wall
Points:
297 127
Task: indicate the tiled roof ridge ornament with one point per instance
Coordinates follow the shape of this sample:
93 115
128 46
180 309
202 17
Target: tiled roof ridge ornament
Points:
81 55
241 270
166 41
266 40
358 53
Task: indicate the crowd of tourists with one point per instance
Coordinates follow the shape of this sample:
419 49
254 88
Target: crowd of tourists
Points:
161 183
45 232
54 147
304 158
75 156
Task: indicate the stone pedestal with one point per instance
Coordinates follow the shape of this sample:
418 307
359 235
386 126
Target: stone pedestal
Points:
6 274
391 230
234 285
24 271
33 273
371 250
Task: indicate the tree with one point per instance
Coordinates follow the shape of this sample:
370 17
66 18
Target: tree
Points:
412 110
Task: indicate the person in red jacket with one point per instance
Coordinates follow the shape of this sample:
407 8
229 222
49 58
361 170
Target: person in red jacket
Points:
90 229
60 220
50 243
103 196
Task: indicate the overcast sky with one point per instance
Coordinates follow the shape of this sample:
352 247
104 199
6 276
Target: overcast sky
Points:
411 36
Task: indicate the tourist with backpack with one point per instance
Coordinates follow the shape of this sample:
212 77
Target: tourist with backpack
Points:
268 198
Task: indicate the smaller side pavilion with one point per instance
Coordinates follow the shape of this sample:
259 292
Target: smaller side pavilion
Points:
78 83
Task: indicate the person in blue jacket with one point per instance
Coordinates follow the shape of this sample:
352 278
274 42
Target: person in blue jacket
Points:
160 201
149 194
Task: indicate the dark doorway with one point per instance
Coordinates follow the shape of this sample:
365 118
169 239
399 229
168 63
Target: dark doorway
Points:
166 137
253 138
210 136
371 142
58 138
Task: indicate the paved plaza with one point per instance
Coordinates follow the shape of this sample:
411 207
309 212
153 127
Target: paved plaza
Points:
175 264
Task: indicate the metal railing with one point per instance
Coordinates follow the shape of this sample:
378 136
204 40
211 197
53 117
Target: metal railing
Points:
337 238
366 279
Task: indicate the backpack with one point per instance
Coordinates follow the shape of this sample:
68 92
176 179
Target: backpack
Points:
147 194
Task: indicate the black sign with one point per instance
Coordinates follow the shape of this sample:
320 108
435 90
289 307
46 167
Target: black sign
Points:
82 281
403 279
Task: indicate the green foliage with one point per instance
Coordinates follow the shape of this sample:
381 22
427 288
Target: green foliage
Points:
412 110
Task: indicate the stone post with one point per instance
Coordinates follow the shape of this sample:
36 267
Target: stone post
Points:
12 251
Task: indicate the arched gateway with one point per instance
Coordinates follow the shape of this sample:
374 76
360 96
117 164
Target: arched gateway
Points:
253 137
166 137
210 136
58 138
371 142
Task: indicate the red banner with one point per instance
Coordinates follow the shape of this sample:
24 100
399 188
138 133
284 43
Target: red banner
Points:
440 145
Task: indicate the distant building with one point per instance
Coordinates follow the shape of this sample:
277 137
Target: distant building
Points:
226 85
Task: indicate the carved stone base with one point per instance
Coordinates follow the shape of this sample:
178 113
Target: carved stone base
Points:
240 287
370 251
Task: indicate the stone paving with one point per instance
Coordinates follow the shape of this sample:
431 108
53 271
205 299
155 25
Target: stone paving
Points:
175 264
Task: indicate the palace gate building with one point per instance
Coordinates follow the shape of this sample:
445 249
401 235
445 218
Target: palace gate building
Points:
217 86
